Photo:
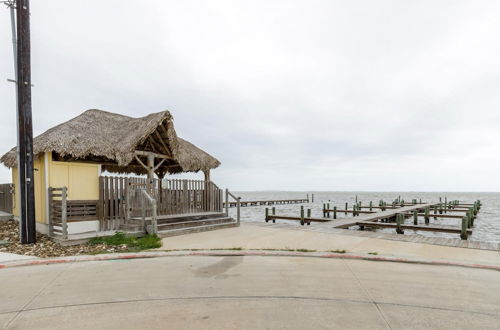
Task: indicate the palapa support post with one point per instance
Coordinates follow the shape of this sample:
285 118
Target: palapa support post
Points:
415 217
463 233
335 212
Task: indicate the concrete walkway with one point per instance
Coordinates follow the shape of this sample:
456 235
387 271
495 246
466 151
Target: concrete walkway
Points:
238 292
251 236
8 257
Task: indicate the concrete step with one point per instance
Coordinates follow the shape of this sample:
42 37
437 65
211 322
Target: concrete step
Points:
197 229
193 223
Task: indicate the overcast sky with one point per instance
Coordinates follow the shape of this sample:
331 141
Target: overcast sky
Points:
288 95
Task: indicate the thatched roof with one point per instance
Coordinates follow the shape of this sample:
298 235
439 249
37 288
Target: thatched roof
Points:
111 139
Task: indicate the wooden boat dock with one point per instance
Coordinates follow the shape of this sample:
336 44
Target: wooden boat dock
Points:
269 202
392 216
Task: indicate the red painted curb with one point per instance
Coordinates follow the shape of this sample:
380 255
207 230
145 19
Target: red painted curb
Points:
244 253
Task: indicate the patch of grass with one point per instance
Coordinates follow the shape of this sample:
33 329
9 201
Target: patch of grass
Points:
338 251
133 243
373 253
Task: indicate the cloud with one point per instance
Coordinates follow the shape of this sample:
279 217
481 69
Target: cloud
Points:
289 95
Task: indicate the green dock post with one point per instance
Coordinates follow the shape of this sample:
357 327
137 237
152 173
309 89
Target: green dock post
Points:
356 199
267 214
415 217
308 213
463 233
371 205
445 204
302 215
335 212
426 215
354 210
312 198
274 210
399 222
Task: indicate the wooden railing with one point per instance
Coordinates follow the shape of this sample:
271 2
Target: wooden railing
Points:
238 205
172 197
62 211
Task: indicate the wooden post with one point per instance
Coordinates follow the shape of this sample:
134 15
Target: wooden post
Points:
415 217
463 233
302 215
274 210
151 172
371 205
25 167
324 210
267 214
312 198
335 212
238 210
426 216
227 202
64 215
51 207
346 206
399 222
328 210
308 213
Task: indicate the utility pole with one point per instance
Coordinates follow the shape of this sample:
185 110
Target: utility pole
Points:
22 51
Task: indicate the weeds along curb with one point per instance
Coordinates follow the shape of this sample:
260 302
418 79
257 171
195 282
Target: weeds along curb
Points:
255 253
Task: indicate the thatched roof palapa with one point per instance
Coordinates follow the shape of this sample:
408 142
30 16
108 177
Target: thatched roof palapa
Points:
112 139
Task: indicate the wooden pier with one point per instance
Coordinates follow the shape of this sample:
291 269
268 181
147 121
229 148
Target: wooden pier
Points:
392 216
269 202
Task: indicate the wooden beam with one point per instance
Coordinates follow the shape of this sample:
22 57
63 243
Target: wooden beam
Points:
167 149
145 153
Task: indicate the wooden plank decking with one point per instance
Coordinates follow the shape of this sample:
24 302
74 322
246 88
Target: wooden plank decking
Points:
348 222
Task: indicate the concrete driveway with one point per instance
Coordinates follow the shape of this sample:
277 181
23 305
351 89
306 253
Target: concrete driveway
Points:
200 292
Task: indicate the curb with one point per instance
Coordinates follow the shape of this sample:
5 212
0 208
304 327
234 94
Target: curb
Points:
256 253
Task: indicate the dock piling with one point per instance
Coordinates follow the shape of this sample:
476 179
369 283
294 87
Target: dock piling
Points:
415 217
267 214
463 233
335 212
399 222
302 215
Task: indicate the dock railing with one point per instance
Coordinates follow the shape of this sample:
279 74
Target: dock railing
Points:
238 205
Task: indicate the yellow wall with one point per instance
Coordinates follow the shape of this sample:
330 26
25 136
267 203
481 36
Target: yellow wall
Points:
81 179
40 197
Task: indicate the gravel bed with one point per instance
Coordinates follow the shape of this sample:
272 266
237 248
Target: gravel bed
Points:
45 247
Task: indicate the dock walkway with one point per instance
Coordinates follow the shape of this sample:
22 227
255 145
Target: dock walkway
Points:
348 222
